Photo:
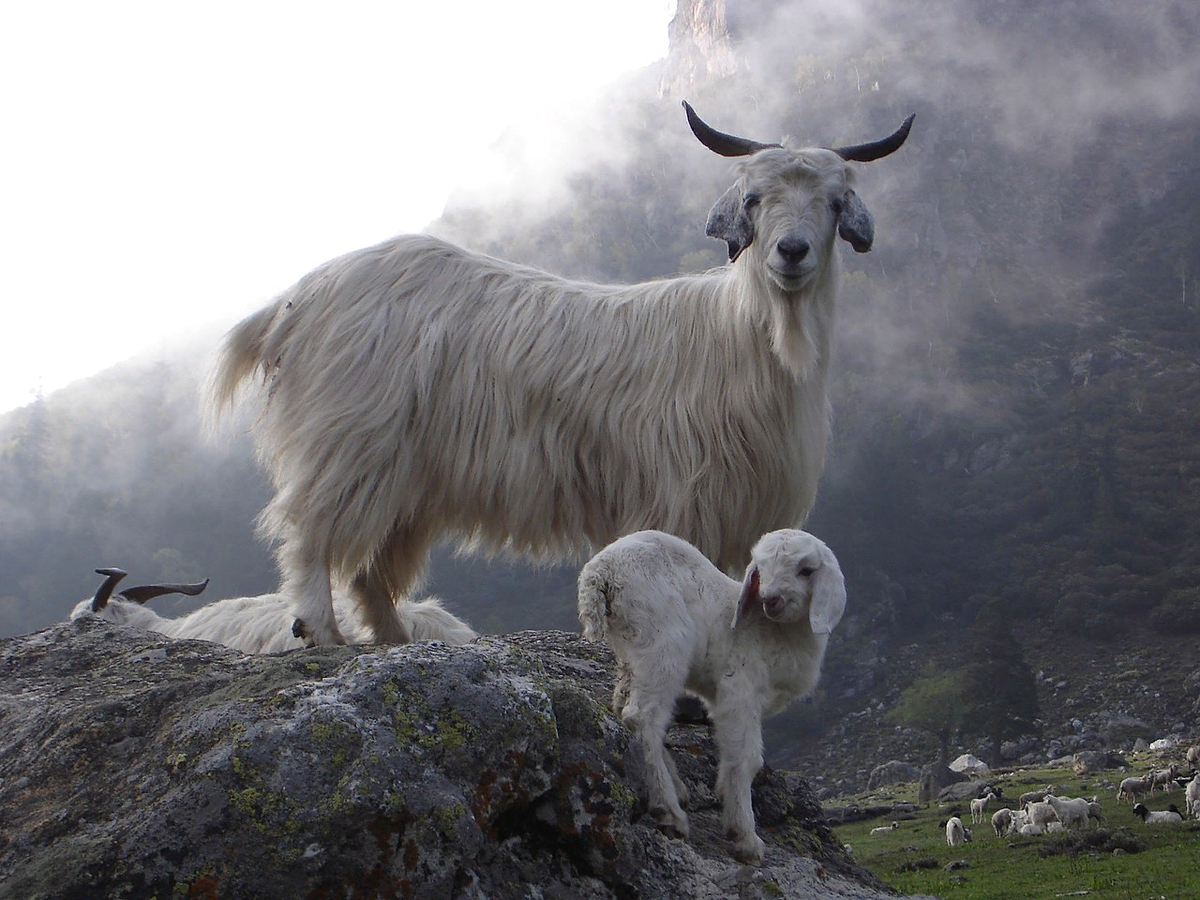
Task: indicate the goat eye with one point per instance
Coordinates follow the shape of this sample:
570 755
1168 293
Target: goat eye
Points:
836 205
806 571
751 201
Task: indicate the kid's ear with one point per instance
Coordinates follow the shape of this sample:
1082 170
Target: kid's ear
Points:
829 595
749 598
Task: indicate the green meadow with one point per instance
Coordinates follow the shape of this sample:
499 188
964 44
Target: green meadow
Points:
1122 859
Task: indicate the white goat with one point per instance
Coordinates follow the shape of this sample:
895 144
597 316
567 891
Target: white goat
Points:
1133 787
1002 821
1159 817
1072 813
262 624
1192 796
675 623
979 807
416 389
1164 778
1040 813
956 833
882 829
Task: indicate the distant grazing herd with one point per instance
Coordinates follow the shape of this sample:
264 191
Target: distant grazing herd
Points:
1042 812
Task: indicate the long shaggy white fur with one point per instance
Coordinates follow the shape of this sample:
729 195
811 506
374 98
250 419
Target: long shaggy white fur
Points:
676 623
263 624
416 389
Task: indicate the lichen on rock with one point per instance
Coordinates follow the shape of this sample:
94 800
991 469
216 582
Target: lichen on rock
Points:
135 766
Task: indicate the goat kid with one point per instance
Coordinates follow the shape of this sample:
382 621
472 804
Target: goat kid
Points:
676 623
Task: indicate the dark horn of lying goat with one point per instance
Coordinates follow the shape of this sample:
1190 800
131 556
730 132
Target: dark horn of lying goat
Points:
718 141
111 577
144 592
877 149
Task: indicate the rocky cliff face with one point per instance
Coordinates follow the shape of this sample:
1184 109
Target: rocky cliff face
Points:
133 766
700 46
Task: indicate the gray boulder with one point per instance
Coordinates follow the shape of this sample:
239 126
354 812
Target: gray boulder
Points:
934 778
1090 762
138 767
965 790
893 772
1120 729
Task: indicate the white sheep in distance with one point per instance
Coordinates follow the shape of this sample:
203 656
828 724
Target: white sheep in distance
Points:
415 389
979 807
1072 813
956 833
1192 796
1002 821
1164 777
1133 787
1040 814
1168 816
677 623
259 624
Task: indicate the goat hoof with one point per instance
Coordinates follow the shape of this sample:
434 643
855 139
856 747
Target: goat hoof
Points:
669 825
315 637
749 850
301 630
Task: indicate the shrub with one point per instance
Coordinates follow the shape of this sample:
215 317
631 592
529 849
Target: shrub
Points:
1092 842
1179 613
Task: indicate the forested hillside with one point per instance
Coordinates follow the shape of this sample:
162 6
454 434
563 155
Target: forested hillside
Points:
1016 402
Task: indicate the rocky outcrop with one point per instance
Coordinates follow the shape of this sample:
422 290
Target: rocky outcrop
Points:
138 767
893 772
701 48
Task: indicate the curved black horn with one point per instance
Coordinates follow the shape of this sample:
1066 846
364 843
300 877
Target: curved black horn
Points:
144 592
111 577
877 149
719 141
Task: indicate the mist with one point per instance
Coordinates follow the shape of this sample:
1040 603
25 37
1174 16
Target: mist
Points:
1034 239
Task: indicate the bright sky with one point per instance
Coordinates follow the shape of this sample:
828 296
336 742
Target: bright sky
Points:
166 167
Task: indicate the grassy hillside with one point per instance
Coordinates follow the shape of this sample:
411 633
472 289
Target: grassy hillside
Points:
1122 858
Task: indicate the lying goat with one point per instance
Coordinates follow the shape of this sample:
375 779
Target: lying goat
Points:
676 623
1168 816
262 624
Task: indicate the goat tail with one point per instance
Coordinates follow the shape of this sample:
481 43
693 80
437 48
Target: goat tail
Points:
241 353
595 604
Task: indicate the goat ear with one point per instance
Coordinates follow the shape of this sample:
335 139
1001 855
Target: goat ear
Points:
727 221
855 224
828 595
749 598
